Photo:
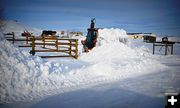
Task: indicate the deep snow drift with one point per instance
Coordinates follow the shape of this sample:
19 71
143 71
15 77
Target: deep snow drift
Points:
24 77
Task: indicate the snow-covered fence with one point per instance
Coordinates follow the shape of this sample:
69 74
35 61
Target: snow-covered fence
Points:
10 37
68 46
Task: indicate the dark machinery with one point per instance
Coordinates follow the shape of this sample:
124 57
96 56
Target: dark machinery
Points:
91 39
50 32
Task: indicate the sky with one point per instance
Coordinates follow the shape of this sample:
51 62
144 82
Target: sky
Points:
156 16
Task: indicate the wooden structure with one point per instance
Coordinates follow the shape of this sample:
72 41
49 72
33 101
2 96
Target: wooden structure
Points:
76 33
135 35
164 44
27 36
68 46
10 37
145 36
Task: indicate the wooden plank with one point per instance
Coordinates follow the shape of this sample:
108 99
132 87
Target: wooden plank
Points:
153 47
76 50
17 40
60 43
67 39
55 44
56 56
53 50
24 46
163 44
43 44
8 34
63 39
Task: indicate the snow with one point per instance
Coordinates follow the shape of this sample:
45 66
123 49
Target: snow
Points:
112 35
22 74
108 76
8 26
170 38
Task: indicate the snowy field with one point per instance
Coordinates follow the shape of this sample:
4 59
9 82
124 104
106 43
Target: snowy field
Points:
118 73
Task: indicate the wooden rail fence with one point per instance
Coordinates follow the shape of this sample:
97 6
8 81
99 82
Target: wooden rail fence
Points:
68 46
164 44
10 37
64 45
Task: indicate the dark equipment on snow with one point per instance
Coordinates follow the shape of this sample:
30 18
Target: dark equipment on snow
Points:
91 39
44 32
165 39
149 39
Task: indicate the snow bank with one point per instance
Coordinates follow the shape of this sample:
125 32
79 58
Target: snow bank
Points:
112 35
114 58
8 26
23 76
113 44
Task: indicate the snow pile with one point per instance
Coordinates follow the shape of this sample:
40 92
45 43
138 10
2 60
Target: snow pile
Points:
17 27
113 44
22 75
112 35
115 59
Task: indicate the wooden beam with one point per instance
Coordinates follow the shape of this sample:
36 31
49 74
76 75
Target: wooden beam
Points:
56 56
25 46
53 50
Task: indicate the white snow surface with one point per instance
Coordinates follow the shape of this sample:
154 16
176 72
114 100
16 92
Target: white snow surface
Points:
8 26
24 77
111 35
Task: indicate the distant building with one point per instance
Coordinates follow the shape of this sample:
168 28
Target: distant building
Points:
76 33
140 35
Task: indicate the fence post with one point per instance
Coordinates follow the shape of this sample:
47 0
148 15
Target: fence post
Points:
33 46
172 49
43 39
153 47
26 39
70 47
76 49
56 43
166 46
13 37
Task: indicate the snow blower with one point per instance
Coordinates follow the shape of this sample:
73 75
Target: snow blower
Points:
91 38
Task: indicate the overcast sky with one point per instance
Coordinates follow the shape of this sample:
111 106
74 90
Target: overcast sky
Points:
157 16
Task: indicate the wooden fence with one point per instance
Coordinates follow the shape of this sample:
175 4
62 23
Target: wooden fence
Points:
164 44
10 37
68 46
